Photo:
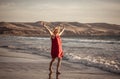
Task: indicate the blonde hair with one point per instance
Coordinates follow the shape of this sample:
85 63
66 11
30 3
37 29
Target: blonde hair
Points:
58 28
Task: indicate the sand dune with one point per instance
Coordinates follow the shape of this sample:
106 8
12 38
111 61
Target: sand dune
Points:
72 28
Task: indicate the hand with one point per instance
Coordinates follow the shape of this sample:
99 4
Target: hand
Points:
44 25
62 26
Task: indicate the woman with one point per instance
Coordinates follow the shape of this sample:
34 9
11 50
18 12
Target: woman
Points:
56 47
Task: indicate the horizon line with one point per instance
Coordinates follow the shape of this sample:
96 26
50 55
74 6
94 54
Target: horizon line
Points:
61 21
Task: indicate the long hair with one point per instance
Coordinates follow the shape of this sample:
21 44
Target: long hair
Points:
58 28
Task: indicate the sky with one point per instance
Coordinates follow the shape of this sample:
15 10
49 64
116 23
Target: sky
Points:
84 11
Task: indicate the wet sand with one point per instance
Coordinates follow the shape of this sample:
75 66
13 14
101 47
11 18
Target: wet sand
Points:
16 65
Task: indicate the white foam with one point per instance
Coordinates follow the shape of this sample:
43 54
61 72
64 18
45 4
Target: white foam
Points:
91 40
98 62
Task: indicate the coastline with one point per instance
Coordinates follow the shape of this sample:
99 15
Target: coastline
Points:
16 65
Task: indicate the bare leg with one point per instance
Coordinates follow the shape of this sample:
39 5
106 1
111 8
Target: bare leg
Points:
58 65
50 67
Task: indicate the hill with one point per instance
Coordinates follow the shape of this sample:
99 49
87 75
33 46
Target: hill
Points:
72 28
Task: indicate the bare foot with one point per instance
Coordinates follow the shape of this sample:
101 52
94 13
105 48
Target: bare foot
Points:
58 72
50 73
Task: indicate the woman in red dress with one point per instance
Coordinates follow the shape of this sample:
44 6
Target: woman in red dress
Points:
56 47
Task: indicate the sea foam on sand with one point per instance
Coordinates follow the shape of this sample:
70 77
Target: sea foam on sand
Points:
99 62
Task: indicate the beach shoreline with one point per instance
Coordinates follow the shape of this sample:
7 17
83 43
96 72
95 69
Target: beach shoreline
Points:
16 65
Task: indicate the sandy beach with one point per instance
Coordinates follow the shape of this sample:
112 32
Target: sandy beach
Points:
16 65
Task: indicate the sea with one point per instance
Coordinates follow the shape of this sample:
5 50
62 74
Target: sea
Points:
99 53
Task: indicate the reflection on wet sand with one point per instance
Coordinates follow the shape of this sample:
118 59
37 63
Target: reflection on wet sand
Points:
57 76
50 76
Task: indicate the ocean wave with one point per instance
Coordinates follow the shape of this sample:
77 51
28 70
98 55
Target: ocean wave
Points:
98 62
92 41
76 46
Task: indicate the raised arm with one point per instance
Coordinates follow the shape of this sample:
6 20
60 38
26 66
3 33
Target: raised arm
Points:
51 33
62 31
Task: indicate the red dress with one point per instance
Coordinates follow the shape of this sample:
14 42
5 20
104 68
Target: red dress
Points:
56 48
